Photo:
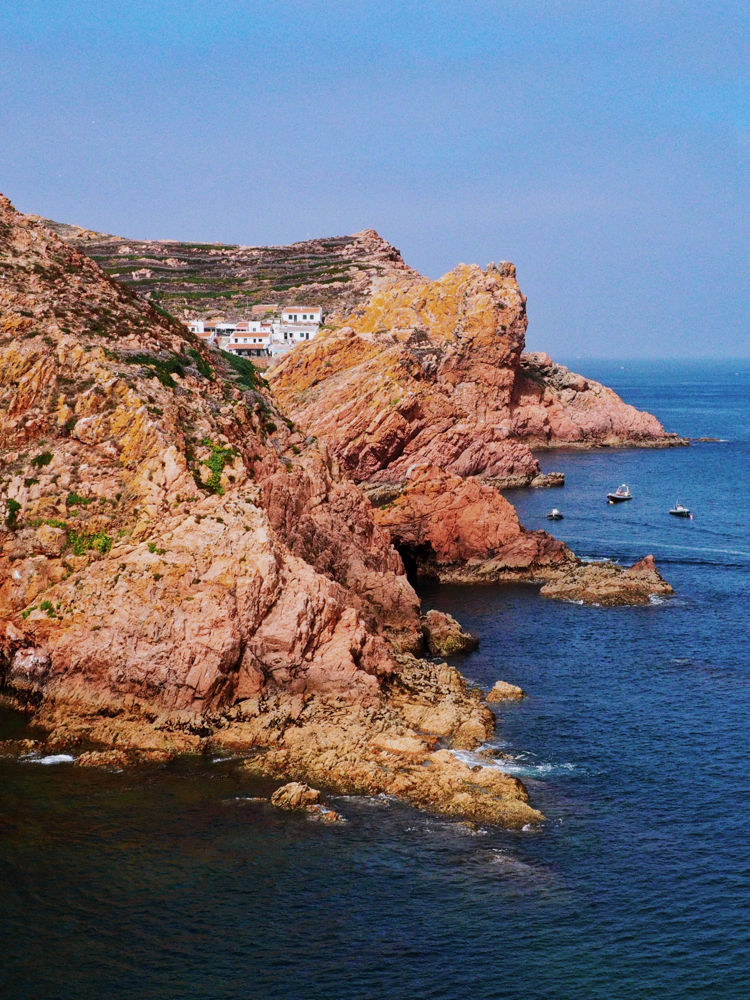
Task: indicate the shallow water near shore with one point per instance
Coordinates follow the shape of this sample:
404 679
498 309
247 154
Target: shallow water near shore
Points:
167 882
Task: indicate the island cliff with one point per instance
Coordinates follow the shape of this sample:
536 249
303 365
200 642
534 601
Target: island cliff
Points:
182 568
434 371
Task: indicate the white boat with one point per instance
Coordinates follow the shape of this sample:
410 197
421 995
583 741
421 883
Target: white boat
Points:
679 511
554 515
621 493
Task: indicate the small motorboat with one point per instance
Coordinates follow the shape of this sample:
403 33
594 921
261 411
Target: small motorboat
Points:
554 515
620 494
679 511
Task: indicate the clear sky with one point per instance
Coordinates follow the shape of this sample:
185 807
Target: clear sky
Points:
604 147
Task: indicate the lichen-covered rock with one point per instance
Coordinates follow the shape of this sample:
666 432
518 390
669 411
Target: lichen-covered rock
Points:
444 635
433 372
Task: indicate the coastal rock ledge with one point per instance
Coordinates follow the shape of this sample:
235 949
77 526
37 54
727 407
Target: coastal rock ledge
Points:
181 570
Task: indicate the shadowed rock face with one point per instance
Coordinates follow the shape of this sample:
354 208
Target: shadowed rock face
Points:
433 372
179 569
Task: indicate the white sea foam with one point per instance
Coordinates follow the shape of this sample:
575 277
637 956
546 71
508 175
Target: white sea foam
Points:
519 765
55 758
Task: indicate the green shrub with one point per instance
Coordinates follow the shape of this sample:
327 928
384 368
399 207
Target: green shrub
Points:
163 370
13 508
41 460
201 364
82 543
220 456
73 500
245 369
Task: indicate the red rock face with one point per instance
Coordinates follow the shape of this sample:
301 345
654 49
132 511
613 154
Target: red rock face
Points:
447 522
433 372
463 531
551 406
166 536
181 568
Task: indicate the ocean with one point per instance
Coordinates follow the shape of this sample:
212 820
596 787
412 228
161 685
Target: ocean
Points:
167 883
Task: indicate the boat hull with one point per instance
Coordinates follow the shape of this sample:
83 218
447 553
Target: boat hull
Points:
613 498
680 513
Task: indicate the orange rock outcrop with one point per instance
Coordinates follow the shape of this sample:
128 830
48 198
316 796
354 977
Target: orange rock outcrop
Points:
434 372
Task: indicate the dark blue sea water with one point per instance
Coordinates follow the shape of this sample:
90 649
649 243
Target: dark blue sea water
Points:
164 884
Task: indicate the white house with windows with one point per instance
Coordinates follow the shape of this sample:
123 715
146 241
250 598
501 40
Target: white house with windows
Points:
302 315
297 325
259 337
251 337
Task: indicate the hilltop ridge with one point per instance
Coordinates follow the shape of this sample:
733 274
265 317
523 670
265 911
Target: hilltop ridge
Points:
197 280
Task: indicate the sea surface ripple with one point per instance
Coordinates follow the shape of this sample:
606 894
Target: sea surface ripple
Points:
168 883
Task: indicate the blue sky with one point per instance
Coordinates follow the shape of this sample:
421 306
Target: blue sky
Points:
604 147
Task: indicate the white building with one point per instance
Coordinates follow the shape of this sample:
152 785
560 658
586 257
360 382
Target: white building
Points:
297 324
262 338
302 315
250 337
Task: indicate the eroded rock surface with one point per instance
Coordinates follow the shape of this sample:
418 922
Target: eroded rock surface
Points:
444 636
434 372
607 584
180 568
295 795
503 691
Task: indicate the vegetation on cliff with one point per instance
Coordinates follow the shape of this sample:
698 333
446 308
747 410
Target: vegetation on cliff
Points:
181 569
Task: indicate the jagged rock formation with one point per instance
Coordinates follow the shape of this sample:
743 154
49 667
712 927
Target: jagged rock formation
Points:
553 407
181 568
463 531
194 280
433 372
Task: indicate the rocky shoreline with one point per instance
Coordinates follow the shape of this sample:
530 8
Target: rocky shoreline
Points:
185 567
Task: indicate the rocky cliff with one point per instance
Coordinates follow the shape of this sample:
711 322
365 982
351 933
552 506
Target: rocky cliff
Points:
434 372
182 569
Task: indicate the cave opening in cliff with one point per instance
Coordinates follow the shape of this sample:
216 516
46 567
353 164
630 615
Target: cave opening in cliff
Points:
416 559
